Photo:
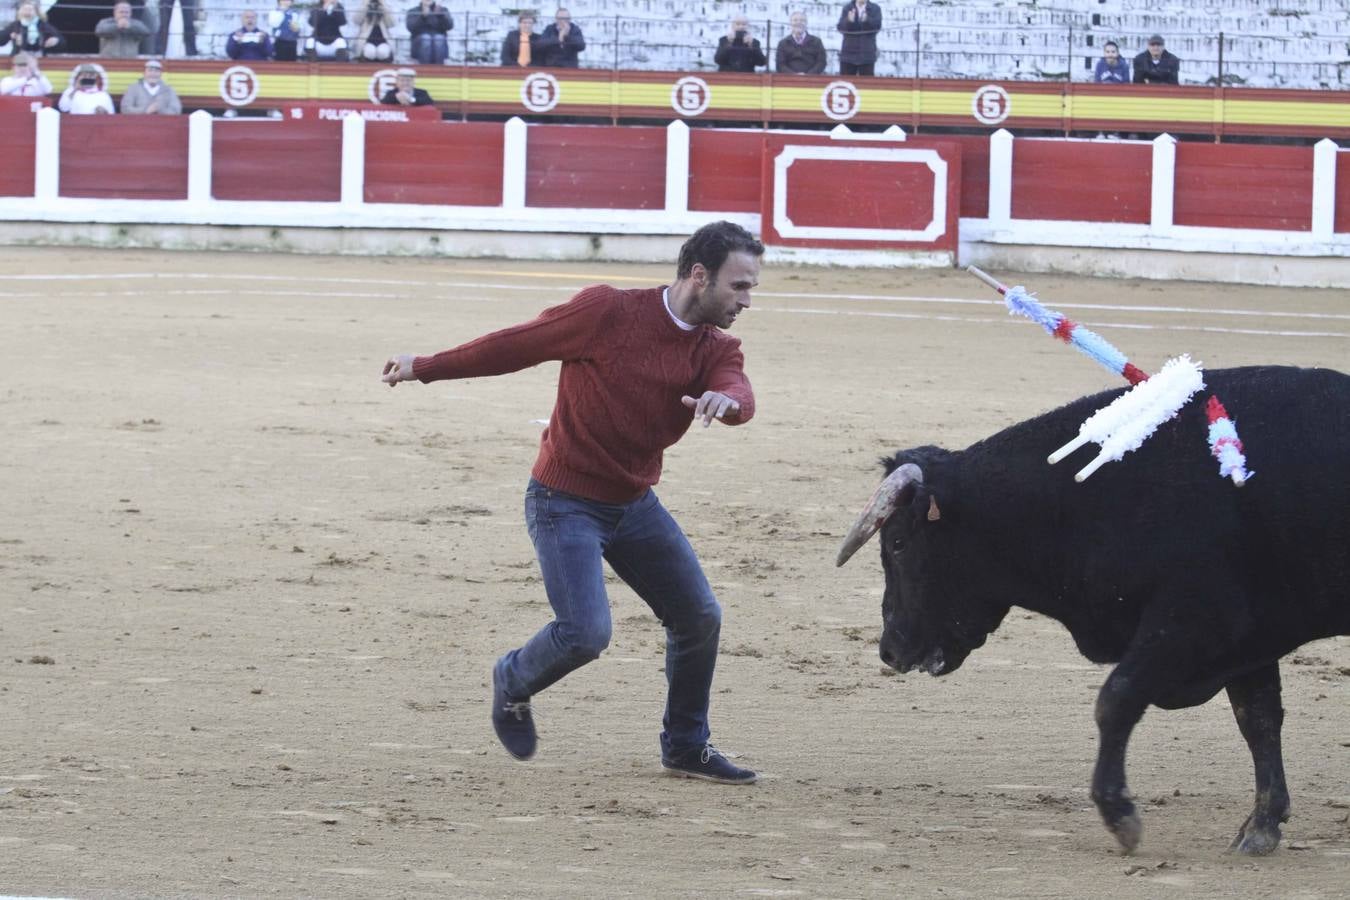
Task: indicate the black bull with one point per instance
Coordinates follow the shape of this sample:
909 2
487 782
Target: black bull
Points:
1156 563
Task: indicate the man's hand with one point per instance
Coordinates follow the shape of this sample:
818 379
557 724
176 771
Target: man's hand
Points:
711 405
398 368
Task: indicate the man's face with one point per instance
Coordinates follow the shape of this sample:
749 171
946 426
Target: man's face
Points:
798 22
122 12
722 296
527 25
1111 52
1155 50
152 74
405 84
26 11
250 19
284 5
563 19
20 68
740 23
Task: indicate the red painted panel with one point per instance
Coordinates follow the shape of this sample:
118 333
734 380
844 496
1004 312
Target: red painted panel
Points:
974 173
1082 181
276 160
1244 186
724 170
135 157
458 164
847 194
18 131
1342 219
590 167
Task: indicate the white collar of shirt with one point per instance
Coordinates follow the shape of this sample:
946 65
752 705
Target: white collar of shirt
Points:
665 298
152 89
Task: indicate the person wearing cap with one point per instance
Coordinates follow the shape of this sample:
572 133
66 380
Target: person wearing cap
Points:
403 93
151 95
26 80
86 94
1155 65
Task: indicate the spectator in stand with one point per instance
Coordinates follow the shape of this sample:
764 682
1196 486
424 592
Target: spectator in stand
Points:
562 42
147 13
249 42
120 36
522 47
86 95
25 80
1155 65
375 22
1111 69
738 50
404 92
189 12
29 33
859 22
430 24
151 95
800 53
327 41
286 24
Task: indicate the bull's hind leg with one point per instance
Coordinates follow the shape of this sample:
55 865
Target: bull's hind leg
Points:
1256 706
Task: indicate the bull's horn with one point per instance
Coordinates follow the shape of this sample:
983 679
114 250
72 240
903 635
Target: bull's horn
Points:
878 509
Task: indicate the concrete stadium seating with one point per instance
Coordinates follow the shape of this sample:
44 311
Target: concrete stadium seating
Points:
1266 43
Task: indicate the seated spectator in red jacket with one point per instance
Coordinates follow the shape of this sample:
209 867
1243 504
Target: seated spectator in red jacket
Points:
523 47
1155 65
800 53
249 41
404 93
25 80
30 33
738 50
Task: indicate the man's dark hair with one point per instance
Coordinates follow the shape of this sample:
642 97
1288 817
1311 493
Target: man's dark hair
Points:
1110 44
711 245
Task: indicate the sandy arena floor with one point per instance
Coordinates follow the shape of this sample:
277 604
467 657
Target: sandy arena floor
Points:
249 598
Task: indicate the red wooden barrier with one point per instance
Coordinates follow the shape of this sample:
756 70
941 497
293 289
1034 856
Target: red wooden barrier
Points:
1259 187
1082 182
724 170
434 162
974 173
18 130
586 167
1342 219
136 157
276 161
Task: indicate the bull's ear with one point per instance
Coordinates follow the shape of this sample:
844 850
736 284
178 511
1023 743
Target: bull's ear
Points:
933 512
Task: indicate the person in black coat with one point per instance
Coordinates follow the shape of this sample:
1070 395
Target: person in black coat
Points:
30 33
859 22
1155 65
522 46
404 92
429 26
800 53
737 50
562 42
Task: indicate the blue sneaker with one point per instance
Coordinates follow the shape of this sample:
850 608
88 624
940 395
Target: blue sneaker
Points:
708 763
511 719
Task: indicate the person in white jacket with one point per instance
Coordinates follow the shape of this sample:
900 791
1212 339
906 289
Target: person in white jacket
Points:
26 80
86 94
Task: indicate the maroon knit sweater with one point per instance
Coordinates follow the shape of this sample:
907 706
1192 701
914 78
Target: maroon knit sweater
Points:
625 365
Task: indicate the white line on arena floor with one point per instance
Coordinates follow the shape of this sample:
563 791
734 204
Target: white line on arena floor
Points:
581 281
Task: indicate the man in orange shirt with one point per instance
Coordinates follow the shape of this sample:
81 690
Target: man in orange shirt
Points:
638 367
522 47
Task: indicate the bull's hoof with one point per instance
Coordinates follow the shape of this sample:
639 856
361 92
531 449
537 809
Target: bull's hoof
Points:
1256 838
1128 831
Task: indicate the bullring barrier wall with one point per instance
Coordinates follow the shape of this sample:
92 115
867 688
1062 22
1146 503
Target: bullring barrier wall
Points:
1227 212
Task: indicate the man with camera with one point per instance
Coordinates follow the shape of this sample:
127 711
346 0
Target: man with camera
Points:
737 50
120 36
86 95
249 42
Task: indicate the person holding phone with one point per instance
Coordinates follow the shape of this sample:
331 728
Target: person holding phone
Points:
738 50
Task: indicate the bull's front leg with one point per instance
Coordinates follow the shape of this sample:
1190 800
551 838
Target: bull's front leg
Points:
1256 706
1120 705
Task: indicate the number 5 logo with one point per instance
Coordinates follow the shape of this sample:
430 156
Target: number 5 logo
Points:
690 96
238 86
540 92
840 100
990 105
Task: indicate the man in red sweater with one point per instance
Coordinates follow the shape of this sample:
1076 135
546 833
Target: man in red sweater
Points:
638 366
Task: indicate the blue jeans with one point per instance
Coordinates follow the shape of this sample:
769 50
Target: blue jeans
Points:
646 548
430 49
